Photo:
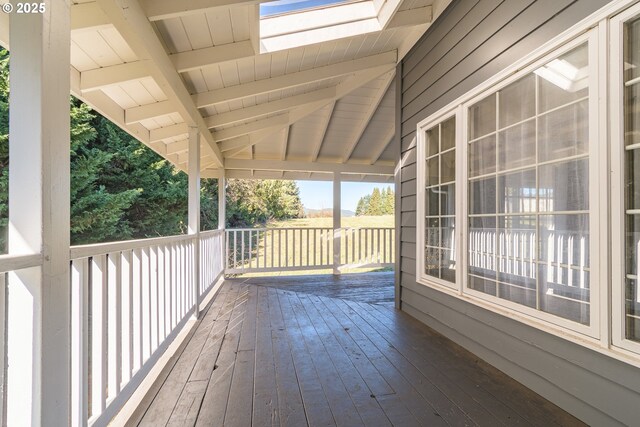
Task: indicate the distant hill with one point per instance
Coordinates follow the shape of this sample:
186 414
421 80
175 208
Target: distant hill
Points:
326 212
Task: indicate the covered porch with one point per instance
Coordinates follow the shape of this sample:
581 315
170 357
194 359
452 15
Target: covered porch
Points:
269 352
154 331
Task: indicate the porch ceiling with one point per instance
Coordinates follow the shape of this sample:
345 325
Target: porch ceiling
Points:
158 67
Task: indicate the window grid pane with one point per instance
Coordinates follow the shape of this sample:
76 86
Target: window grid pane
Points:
439 256
528 239
632 179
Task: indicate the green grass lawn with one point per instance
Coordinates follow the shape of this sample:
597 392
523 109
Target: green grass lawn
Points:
308 247
353 221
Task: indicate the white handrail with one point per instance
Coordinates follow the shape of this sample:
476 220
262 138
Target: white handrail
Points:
307 248
82 251
18 262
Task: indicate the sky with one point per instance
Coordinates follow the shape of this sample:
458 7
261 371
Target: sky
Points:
283 6
319 194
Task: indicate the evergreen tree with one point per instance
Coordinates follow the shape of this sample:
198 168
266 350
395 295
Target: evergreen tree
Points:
97 213
375 204
363 205
360 207
388 201
120 189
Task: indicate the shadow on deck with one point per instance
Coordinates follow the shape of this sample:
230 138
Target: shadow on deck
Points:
269 353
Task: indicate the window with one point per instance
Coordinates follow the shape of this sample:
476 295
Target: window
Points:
439 201
528 161
631 80
545 219
518 232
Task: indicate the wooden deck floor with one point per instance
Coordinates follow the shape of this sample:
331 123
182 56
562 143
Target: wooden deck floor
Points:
266 356
372 288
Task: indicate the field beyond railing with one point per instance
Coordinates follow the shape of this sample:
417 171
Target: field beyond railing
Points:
289 249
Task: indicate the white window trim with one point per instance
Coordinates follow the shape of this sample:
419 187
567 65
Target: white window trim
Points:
606 333
461 113
420 198
593 330
616 105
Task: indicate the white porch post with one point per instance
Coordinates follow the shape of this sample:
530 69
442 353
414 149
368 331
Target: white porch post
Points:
222 217
194 212
39 332
222 201
337 216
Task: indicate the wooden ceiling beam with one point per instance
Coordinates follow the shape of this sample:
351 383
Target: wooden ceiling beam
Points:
100 78
280 165
210 56
148 111
131 21
283 104
286 81
157 10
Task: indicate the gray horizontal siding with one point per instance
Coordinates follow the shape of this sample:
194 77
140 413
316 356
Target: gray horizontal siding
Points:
470 42
478 58
589 385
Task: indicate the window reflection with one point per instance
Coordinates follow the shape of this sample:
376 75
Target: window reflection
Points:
528 236
632 178
439 258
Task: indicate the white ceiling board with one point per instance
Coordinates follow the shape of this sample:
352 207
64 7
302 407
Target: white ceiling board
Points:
325 51
197 30
278 63
339 50
94 45
309 57
152 87
229 73
240 23
294 60
174 35
120 97
220 27
194 81
247 70
271 147
138 92
382 41
80 60
304 134
117 43
367 45
354 47
212 77
262 66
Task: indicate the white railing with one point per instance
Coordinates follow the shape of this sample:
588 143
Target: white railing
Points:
129 301
9 264
367 247
287 249
211 258
515 253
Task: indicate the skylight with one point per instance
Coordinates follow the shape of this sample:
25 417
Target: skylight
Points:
280 7
285 24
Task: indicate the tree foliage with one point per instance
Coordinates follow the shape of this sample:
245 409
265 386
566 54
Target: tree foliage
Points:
251 202
379 202
121 190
